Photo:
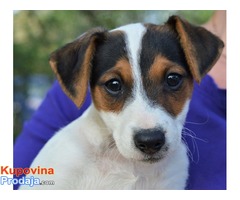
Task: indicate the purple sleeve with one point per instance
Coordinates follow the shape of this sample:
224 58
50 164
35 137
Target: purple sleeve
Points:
56 111
205 135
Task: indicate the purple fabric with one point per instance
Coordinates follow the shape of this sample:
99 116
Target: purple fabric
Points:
206 119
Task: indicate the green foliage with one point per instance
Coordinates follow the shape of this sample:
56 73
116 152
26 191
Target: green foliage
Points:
196 16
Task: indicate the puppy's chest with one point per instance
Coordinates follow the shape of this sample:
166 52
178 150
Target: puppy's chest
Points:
117 173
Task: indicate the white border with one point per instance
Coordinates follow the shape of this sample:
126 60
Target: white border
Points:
6 89
233 100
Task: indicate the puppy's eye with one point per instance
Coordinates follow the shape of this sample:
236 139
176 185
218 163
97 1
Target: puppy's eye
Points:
113 86
174 80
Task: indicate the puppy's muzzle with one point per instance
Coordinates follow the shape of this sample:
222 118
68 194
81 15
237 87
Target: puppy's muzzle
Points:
149 141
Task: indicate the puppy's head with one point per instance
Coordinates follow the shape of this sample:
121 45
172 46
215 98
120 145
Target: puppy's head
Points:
141 79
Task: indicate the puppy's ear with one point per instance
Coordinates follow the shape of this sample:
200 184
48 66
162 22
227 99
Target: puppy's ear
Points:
72 64
201 48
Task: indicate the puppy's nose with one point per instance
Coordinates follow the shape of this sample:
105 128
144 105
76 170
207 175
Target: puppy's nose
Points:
149 141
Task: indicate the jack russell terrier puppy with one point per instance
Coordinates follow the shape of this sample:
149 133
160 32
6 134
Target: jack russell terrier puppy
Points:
141 80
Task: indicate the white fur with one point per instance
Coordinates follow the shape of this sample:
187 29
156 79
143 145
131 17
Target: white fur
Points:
82 159
133 34
97 151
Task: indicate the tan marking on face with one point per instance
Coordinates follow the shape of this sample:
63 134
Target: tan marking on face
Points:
158 91
107 102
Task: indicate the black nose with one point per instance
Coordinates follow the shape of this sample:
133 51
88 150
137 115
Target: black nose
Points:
149 141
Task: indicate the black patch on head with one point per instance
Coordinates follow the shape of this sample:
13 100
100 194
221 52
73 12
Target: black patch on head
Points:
107 55
160 41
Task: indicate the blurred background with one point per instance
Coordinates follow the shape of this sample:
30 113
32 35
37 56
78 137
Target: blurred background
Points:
38 33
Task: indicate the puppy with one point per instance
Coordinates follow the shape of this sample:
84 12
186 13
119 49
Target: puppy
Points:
141 80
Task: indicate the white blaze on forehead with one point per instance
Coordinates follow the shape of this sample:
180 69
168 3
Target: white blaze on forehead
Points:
134 34
140 108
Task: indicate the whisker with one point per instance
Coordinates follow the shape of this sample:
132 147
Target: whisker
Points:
190 155
198 123
188 132
194 138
